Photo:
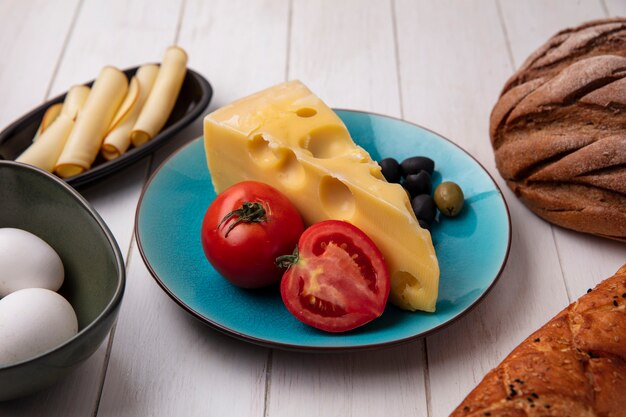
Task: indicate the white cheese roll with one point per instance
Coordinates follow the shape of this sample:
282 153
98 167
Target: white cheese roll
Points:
56 126
49 116
117 140
92 123
163 96
45 151
75 100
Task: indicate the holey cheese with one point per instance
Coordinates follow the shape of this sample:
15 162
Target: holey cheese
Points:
287 137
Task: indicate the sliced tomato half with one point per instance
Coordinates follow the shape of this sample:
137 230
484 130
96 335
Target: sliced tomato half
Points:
338 279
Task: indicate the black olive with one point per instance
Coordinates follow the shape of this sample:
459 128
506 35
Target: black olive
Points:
416 164
424 208
390 169
424 224
419 183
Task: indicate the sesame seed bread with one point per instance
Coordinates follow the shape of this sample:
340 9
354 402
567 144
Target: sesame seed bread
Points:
575 365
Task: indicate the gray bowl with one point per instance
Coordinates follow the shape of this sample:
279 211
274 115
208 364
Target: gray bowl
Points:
44 205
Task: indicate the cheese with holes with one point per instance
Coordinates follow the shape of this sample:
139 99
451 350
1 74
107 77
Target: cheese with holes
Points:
287 137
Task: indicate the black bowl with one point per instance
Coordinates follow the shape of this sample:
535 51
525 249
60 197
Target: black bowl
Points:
193 99
40 203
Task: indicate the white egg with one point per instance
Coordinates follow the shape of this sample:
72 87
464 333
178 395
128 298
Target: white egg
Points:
34 321
27 261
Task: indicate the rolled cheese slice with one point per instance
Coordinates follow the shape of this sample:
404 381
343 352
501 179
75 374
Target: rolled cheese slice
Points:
85 141
127 105
49 116
56 128
75 100
45 151
117 140
163 96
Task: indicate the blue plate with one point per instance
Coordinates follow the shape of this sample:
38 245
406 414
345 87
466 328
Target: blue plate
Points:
472 248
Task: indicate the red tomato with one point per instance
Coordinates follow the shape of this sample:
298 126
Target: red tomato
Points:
245 228
339 280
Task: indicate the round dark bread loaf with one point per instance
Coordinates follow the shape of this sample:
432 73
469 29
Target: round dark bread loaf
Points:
559 129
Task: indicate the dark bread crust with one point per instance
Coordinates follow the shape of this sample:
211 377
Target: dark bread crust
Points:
575 365
596 37
559 129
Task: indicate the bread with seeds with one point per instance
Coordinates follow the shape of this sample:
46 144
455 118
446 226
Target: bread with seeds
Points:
575 365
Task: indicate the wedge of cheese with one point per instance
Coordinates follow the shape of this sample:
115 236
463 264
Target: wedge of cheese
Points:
287 137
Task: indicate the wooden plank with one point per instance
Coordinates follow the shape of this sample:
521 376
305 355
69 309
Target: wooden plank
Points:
240 47
31 40
101 36
123 34
222 47
616 7
388 382
118 33
163 362
344 51
601 257
529 24
454 60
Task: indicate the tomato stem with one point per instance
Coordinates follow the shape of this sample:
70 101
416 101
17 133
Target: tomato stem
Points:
286 261
248 213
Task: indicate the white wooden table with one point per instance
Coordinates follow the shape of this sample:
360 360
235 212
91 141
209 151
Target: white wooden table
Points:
438 63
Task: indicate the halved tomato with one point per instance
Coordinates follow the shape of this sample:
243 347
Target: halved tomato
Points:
337 279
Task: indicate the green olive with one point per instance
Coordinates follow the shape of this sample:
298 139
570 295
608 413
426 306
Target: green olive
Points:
449 198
